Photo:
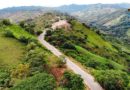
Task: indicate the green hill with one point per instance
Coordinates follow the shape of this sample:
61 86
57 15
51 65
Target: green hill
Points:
90 49
23 58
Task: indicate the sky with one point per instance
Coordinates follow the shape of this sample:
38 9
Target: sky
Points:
53 3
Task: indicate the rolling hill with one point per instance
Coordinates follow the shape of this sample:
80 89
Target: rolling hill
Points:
105 60
114 19
22 13
111 18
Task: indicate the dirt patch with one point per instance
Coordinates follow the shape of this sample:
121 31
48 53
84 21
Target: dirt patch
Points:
57 72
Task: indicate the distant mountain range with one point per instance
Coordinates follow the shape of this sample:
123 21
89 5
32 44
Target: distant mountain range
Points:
22 13
112 18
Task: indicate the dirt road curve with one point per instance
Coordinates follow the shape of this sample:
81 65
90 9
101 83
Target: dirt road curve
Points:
88 79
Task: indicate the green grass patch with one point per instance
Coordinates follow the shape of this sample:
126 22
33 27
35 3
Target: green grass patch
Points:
11 51
18 31
99 59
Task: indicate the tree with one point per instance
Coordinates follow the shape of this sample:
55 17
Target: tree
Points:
112 80
41 81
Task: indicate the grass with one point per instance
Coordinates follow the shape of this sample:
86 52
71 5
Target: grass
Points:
92 38
18 31
11 51
98 58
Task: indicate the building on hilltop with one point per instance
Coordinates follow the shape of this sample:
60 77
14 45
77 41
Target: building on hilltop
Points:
61 24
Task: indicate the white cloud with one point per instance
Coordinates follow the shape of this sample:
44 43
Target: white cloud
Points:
51 3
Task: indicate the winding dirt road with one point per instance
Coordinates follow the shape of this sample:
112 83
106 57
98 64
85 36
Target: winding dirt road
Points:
88 78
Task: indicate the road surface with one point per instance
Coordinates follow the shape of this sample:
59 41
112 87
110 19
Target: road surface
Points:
88 78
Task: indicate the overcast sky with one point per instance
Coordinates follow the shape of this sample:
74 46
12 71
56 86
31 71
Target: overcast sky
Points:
52 3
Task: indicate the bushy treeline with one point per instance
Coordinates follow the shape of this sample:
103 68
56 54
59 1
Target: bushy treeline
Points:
30 27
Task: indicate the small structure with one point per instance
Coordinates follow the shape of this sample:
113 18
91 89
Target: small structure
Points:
61 24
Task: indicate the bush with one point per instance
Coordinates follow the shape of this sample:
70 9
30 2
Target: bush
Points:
39 32
48 33
6 22
92 63
112 80
4 79
61 61
36 60
31 46
8 33
41 81
21 71
68 45
72 81
23 39
22 24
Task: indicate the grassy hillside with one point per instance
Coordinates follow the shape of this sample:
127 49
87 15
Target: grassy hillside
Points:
11 51
92 38
18 31
92 51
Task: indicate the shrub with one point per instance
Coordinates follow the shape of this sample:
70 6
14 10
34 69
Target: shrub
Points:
112 80
41 81
72 81
92 63
61 61
48 33
8 33
68 45
4 79
32 40
21 71
36 60
22 24
38 32
6 22
31 46
23 39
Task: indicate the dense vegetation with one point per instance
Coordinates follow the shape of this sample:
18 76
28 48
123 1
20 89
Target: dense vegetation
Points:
41 81
33 63
94 52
